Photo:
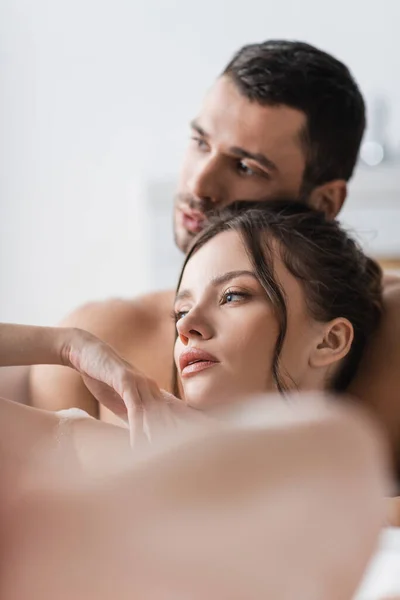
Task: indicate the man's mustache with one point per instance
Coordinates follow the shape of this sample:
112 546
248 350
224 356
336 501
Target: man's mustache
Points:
209 208
202 205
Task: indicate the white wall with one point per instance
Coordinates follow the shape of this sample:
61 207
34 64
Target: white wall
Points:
94 101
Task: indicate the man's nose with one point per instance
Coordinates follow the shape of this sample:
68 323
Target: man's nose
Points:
205 183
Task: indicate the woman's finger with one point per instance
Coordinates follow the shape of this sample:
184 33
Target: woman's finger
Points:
135 413
141 398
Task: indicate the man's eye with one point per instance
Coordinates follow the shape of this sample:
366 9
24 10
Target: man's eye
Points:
245 169
200 143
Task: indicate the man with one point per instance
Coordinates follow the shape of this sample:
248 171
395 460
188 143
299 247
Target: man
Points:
283 119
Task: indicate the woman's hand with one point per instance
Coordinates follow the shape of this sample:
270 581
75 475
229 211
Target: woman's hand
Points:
124 390
115 383
111 379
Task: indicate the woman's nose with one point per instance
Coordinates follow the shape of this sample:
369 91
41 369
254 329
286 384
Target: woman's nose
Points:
193 327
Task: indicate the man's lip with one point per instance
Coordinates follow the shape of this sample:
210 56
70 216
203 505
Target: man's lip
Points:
192 220
194 360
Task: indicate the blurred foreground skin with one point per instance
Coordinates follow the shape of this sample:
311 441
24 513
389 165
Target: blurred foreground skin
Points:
273 501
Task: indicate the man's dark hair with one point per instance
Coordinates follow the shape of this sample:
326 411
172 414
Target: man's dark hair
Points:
305 78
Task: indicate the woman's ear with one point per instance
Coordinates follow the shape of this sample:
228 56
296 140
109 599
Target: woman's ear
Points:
329 197
334 343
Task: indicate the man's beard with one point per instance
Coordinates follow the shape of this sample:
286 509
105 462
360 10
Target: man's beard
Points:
201 205
209 209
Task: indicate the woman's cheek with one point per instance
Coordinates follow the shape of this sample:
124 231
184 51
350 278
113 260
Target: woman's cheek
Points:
259 341
177 351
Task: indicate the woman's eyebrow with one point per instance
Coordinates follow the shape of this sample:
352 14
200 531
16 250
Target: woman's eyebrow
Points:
183 295
216 281
220 279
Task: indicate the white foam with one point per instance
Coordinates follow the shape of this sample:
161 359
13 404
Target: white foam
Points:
73 413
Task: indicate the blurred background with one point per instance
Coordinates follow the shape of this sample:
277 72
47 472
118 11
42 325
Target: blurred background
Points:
94 105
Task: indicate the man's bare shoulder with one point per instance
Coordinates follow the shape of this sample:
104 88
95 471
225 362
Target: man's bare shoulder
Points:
116 318
378 381
140 330
391 280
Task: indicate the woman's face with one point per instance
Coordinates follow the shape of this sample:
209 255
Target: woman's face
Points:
228 330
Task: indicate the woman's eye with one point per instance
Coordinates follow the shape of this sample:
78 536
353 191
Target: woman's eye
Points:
179 314
230 297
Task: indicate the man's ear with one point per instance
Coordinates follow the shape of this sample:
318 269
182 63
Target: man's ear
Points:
334 343
329 197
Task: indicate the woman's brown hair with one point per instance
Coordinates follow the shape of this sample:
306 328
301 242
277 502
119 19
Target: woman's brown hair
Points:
338 279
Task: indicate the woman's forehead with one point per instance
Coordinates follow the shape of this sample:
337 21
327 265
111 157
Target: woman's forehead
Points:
223 253
227 252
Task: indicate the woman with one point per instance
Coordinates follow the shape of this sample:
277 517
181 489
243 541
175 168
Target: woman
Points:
257 309
275 297
280 298
270 298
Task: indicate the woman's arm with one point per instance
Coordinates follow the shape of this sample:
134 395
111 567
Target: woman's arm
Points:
287 506
24 432
38 445
30 345
112 379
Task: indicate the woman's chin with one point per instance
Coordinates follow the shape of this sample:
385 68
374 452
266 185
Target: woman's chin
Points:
203 397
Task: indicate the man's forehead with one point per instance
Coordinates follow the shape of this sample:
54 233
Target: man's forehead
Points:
228 116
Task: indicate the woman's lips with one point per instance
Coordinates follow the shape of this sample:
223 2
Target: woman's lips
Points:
192 221
193 361
197 367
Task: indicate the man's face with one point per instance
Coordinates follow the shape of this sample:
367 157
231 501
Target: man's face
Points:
238 150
